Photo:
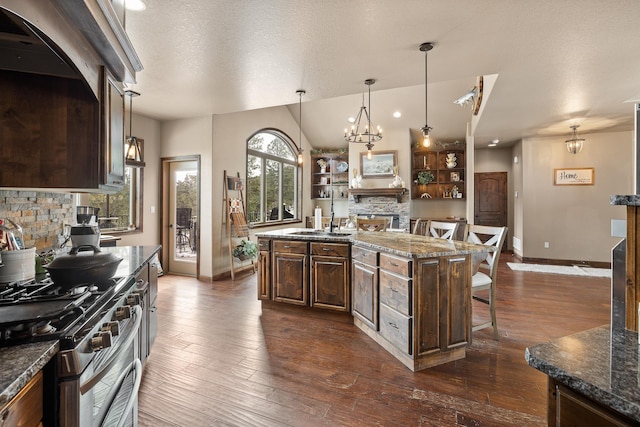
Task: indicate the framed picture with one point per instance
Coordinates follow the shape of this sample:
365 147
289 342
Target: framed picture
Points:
573 176
381 164
455 176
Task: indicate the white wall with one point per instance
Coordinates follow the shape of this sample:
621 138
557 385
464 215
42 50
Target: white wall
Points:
149 131
189 137
575 220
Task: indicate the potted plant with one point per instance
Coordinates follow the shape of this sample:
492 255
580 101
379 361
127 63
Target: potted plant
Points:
425 177
323 165
245 250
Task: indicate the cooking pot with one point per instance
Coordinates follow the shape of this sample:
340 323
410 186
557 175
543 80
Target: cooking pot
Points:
87 267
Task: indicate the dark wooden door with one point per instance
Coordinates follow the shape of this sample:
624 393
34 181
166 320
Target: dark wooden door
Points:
364 283
330 283
490 195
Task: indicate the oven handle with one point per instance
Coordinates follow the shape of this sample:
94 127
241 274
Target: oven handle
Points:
122 346
135 366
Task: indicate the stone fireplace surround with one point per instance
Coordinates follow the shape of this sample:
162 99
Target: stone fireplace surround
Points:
383 206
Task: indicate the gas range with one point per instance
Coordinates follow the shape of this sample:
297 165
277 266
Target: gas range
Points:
37 310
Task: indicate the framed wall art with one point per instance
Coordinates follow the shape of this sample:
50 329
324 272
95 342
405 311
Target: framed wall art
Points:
381 164
573 176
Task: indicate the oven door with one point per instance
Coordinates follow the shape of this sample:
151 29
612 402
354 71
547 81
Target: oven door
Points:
106 394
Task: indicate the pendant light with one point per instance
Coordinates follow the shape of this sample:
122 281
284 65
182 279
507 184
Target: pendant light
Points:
574 145
364 133
426 142
133 156
300 92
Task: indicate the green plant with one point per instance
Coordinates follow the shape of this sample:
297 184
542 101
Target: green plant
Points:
246 250
425 177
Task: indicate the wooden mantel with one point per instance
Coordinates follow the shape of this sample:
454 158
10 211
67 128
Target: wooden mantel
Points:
357 193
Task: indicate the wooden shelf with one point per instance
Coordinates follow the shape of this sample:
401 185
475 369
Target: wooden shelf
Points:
357 193
445 177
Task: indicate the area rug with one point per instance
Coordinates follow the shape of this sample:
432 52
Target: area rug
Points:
573 270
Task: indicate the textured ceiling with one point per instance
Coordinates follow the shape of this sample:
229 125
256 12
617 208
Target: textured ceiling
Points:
554 62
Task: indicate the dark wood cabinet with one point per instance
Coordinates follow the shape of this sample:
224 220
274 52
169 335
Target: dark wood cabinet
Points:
569 408
290 272
113 133
330 267
418 309
364 283
264 269
447 168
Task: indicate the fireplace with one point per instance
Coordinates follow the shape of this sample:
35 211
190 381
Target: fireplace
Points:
397 212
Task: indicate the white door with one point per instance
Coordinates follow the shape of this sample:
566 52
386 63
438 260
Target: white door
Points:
183 217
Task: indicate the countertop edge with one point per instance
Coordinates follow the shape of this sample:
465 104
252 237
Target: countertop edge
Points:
30 361
541 356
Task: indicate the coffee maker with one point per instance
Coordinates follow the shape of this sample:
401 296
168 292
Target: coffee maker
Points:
86 230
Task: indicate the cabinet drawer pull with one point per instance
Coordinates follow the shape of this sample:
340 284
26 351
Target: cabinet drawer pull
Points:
326 249
394 264
393 325
393 290
287 247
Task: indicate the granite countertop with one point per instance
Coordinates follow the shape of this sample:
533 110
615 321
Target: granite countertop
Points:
18 364
601 363
630 200
401 244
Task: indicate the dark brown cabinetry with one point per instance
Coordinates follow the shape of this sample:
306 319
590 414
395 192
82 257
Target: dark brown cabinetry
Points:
422 304
330 268
328 179
365 286
264 269
569 408
447 168
290 265
113 133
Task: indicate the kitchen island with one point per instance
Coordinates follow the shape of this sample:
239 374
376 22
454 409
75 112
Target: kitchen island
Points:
411 294
594 377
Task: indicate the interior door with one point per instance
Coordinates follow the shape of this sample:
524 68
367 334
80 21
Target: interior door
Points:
490 196
182 192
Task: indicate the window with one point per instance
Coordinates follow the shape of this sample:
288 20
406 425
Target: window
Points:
121 210
273 179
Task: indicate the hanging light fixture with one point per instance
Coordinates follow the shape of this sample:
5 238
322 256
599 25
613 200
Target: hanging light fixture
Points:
426 142
364 132
133 156
574 144
300 92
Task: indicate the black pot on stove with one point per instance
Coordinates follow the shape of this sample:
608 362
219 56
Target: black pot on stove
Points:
83 265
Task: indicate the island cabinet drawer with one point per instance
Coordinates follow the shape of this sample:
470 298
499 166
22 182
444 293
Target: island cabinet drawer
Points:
289 247
396 328
395 292
366 256
401 266
264 244
330 249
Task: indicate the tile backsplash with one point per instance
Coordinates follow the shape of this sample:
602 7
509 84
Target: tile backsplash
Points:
41 215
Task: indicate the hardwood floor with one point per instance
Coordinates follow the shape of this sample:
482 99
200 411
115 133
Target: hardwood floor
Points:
221 359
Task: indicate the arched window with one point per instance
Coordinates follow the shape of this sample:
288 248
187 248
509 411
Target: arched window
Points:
273 179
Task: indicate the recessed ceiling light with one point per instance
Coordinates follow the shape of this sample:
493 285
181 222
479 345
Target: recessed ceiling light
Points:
136 5
495 141
492 145
351 119
397 114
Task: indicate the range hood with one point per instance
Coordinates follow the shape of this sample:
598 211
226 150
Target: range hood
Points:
23 48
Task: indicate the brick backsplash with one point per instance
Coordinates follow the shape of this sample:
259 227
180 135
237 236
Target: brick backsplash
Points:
41 215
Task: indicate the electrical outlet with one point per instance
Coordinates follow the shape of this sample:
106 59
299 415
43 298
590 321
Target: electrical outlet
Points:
546 245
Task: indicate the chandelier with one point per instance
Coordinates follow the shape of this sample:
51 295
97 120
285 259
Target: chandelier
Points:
574 144
364 132
426 142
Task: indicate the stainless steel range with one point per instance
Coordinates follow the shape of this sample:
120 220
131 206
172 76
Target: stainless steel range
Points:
96 374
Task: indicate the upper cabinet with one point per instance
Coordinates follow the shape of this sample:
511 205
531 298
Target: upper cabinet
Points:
62 94
437 174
